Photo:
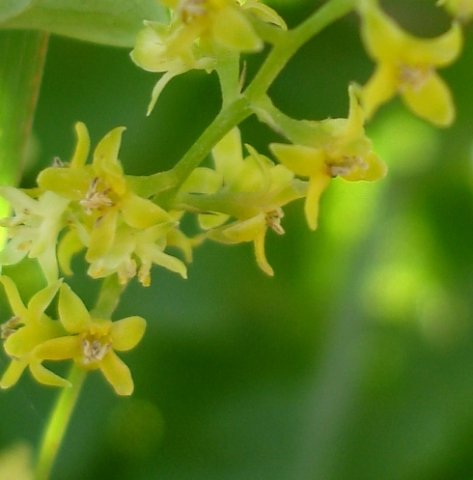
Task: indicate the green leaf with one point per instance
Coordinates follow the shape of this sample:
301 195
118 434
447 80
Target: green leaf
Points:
108 22
11 8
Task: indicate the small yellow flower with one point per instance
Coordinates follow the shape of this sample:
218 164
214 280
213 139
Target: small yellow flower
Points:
92 342
251 189
327 149
100 197
406 65
33 229
25 331
199 31
460 9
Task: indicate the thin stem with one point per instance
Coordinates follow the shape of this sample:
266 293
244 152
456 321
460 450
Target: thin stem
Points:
57 424
61 414
108 298
238 110
292 41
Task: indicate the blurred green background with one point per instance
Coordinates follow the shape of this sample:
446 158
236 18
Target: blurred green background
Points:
354 362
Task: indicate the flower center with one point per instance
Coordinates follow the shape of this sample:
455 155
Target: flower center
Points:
94 348
273 220
413 77
189 10
96 199
348 165
9 327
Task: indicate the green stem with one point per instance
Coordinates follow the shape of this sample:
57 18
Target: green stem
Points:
238 110
108 298
58 423
61 414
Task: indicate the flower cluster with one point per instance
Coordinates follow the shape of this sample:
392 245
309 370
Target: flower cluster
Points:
94 208
200 35
31 337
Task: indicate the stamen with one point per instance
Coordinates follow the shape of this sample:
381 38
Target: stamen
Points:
94 350
273 221
95 199
192 9
413 77
9 327
347 166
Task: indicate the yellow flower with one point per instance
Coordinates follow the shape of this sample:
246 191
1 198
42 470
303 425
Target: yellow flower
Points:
33 229
461 9
251 189
92 342
101 199
406 65
198 32
327 149
25 331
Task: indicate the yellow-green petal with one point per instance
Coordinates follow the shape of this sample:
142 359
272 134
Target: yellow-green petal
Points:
67 182
228 156
105 162
40 300
437 52
260 253
380 88
433 101
302 160
69 245
317 185
79 158
42 375
72 311
127 332
102 236
142 213
14 299
117 374
233 30
61 348
13 373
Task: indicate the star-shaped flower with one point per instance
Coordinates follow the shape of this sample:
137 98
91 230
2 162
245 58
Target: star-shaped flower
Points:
25 331
327 149
406 65
100 196
200 30
33 229
251 190
92 341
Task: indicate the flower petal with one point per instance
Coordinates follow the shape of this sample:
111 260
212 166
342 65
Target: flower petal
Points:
117 374
302 160
380 88
42 375
317 185
79 158
72 311
105 162
433 102
227 155
102 236
439 52
140 212
260 254
41 300
61 348
234 31
127 333
14 299
13 373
